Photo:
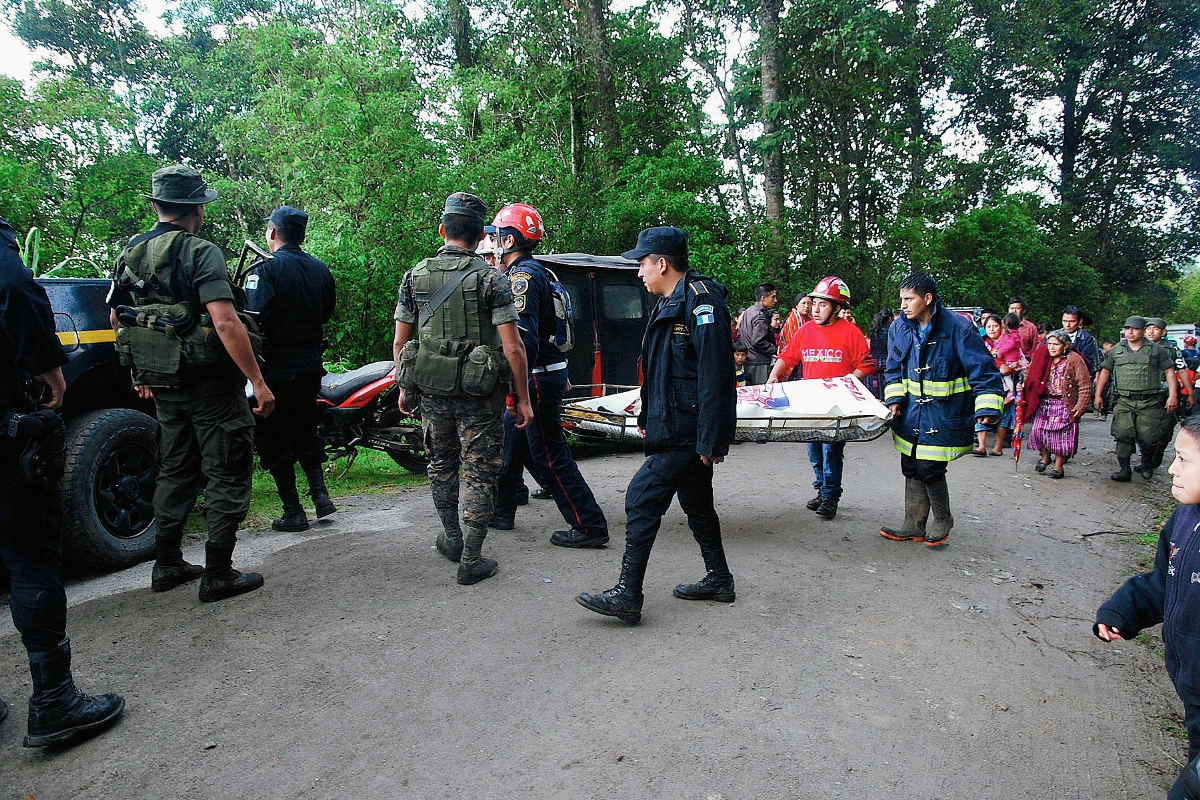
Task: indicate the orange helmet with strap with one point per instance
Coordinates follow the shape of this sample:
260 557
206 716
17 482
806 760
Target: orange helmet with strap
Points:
832 288
523 218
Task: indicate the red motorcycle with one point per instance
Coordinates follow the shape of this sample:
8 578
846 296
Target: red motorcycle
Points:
360 408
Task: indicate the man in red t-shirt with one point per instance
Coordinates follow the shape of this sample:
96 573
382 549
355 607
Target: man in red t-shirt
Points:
828 348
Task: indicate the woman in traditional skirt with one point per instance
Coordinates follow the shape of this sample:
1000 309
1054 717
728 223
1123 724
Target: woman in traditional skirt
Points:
1068 387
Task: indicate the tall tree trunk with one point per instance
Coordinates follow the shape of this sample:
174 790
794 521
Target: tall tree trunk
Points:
1072 130
459 17
772 154
595 30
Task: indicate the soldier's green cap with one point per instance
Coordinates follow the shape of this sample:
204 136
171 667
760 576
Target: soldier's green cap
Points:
1135 322
180 184
465 204
1157 322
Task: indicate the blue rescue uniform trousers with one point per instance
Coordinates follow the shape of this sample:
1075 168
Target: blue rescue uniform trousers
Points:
542 449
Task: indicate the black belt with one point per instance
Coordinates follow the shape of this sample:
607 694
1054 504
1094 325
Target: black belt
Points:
1139 395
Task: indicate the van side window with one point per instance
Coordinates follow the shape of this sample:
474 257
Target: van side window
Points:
577 309
622 301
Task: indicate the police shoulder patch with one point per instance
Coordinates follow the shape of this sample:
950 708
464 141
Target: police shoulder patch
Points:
702 309
252 282
518 301
520 282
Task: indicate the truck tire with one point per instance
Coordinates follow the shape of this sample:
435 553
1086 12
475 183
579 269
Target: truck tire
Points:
107 488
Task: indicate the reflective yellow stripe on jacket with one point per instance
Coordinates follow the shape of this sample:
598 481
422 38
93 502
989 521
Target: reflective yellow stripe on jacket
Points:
989 402
928 452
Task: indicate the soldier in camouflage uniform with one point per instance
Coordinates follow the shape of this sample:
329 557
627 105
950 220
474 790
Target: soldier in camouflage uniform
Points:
462 313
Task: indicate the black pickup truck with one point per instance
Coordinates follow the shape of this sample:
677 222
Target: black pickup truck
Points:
108 481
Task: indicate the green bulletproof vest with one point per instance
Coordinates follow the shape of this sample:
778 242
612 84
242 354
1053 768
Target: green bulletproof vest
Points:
164 331
1132 370
462 318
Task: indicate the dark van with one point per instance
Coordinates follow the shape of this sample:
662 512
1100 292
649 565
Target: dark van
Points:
611 307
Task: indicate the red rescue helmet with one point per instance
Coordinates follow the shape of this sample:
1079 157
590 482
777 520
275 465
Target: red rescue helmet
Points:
1189 340
832 288
522 217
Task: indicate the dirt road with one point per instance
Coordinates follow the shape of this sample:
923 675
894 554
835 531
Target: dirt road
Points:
849 667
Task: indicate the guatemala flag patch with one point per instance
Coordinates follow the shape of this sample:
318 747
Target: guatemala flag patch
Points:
704 314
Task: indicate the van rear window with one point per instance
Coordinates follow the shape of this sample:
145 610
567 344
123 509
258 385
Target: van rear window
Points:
623 301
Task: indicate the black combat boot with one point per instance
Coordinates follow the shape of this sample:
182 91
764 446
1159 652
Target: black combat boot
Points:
3 710
319 493
916 513
623 601
522 495
717 584
474 567
449 545
58 711
814 504
827 509
294 519
220 579
1123 474
577 538
170 570
938 532
1148 463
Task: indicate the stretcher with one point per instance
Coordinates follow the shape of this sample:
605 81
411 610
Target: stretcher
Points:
822 410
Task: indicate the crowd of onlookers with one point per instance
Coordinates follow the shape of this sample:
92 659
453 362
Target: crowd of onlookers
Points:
1049 372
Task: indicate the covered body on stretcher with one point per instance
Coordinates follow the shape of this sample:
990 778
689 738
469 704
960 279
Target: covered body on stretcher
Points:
822 410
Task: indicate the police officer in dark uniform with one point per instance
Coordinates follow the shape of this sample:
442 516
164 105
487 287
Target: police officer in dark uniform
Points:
293 295
542 447
30 541
175 311
688 417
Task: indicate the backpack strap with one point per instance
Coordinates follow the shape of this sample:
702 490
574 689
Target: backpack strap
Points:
444 291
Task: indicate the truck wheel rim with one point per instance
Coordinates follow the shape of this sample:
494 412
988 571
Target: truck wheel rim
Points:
125 490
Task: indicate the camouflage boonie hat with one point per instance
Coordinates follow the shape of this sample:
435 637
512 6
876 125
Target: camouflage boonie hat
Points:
181 185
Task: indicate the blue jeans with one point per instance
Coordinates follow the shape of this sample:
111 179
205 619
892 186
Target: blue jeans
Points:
827 461
543 449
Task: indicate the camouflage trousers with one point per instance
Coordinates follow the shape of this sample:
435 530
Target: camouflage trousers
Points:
207 445
468 432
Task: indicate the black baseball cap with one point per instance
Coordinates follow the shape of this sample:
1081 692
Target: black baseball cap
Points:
290 222
663 241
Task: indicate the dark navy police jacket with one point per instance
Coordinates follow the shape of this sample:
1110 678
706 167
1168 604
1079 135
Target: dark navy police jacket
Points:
294 296
535 306
28 342
1170 594
689 398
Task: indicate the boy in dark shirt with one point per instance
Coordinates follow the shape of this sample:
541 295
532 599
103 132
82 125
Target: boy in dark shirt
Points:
1170 594
740 352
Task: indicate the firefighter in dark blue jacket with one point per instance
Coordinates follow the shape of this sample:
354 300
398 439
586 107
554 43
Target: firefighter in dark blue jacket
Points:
542 447
939 379
30 540
1170 594
688 417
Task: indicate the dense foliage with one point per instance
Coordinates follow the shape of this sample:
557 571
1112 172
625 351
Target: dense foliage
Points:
1046 148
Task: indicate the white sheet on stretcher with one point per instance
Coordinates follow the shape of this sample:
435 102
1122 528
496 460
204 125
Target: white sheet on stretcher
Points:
809 405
